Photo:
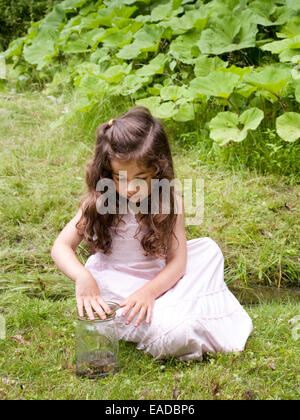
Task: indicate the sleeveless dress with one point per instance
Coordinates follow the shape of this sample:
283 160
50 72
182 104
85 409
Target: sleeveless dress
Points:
197 315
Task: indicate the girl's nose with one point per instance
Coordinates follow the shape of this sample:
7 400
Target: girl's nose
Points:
132 188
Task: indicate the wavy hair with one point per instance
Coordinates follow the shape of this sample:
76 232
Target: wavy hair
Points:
136 135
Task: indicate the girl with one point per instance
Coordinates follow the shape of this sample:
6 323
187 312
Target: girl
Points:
172 295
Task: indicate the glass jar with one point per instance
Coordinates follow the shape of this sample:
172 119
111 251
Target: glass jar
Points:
97 345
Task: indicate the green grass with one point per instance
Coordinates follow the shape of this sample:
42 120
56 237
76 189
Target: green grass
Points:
43 367
254 217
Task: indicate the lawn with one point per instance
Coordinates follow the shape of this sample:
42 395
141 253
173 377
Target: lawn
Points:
253 217
37 360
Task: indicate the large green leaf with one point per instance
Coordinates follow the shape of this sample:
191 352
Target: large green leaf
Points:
155 66
114 37
197 18
55 18
157 109
91 85
291 28
146 39
70 5
204 65
267 13
277 47
228 33
165 110
228 126
182 46
172 92
152 102
42 49
218 84
15 47
164 11
293 4
115 73
289 55
81 42
185 113
288 126
132 83
272 79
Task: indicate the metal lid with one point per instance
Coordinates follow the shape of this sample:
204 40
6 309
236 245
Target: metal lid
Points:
113 307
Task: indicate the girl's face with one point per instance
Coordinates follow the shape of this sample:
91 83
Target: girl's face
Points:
138 183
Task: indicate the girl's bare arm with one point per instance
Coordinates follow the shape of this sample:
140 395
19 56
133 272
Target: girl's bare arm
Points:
64 247
63 254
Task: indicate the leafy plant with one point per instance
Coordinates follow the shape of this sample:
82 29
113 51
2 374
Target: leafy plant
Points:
171 56
288 126
227 126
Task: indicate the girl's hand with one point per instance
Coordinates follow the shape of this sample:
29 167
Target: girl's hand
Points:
88 297
142 302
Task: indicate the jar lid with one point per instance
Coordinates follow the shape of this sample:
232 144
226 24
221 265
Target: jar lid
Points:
113 307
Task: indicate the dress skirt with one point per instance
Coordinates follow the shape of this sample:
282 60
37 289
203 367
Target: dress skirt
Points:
197 315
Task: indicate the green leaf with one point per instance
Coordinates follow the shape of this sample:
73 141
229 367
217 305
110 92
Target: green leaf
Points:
152 102
266 13
288 55
70 5
114 38
172 92
132 83
197 18
165 110
277 47
290 29
55 18
218 84
115 73
288 126
225 126
164 11
293 4
271 78
182 46
205 65
228 33
245 90
15 47
185 113
92 85
146 39
42 48
155 66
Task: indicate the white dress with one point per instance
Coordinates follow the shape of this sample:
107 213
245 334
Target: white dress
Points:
199 314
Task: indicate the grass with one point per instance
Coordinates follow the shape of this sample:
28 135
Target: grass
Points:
254 217
43 365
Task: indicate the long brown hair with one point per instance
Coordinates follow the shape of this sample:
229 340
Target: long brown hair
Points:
138 136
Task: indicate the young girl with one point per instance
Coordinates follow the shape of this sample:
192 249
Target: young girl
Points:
172 295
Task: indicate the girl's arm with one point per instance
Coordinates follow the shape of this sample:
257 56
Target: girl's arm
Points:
64 256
